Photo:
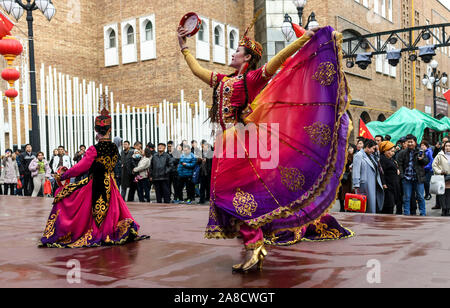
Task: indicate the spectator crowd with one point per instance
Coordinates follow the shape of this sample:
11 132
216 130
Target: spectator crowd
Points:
395 178
178 173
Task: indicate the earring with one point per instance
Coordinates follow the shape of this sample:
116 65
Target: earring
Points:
244 69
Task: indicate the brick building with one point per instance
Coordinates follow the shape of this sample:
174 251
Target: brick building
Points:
132 46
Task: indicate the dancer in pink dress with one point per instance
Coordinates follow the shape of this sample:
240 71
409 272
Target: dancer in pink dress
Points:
91 213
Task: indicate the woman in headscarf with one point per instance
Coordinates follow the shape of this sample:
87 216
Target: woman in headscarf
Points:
390 178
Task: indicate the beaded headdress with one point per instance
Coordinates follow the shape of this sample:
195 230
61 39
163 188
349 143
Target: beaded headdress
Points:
104 119
247 42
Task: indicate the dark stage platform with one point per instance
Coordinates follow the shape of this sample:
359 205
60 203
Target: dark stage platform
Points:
387 251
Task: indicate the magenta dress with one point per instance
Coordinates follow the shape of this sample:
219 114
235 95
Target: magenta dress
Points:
91 213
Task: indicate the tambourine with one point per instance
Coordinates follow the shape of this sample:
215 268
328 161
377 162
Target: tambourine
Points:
191 22
60 171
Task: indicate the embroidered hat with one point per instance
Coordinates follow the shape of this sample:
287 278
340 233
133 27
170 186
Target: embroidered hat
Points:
247 42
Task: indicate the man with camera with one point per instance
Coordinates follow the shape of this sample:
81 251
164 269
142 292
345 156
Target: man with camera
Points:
412 162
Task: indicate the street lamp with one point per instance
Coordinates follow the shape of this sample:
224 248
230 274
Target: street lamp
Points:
17 8
312 22
287 28
300 5
435 79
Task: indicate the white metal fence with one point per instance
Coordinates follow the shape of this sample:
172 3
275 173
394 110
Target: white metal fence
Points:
68 106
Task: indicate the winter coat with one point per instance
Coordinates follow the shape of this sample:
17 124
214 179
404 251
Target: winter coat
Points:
441 166
65 162
418 165
143 167
429 154
10 171
127 167
188 170
161 166
34 168
368 180
25 159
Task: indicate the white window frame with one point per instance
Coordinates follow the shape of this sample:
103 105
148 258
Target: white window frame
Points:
129 51
203 49
231 51
218 50
148 47
111 54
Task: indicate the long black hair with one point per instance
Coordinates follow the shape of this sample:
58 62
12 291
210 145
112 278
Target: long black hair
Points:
252 65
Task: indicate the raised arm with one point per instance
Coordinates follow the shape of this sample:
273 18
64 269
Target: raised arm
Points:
83 166
275 63
200 72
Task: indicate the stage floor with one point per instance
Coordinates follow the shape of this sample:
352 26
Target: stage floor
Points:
387 251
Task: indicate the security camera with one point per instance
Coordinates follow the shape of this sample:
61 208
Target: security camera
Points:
427 53
363 60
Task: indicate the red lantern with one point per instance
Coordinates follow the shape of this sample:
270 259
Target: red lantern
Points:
10 75
10 48
11 93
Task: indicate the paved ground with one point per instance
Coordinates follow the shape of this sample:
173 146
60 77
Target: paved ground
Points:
387 251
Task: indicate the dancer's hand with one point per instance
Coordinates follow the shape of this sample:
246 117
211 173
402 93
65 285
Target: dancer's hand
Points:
311 33
182 34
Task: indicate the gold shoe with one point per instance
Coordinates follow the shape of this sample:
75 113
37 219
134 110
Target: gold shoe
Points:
256 259
237 267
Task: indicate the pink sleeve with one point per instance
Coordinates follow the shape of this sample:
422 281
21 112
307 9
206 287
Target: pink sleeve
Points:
258 77
83 166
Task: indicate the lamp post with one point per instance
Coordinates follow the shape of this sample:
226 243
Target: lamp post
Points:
435 79
17 8
300 5
289 28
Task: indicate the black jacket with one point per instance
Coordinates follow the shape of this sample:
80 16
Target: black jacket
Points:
127 167
418 165
161 166
26 159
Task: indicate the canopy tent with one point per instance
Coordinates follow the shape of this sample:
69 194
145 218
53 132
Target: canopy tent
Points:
406 121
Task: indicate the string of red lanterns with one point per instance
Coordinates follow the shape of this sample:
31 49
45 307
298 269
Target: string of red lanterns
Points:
10 48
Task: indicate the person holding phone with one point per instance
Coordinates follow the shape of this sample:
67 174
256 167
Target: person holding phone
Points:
411 163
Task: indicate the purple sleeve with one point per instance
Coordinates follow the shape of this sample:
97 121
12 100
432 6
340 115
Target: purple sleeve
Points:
83 166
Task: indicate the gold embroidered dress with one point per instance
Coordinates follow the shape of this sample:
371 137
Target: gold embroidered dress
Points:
281 172
91 212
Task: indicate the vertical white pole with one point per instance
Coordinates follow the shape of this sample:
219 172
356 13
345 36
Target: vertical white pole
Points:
129 126
42 113
17 112
10 124
72 147
124 124
133 124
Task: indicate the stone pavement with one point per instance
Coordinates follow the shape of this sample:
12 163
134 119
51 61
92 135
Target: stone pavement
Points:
387 251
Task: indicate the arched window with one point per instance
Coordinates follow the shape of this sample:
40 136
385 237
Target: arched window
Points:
130 35
351 34
365 117
233 39
217 36
149 31
381 118
201 33
112 39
